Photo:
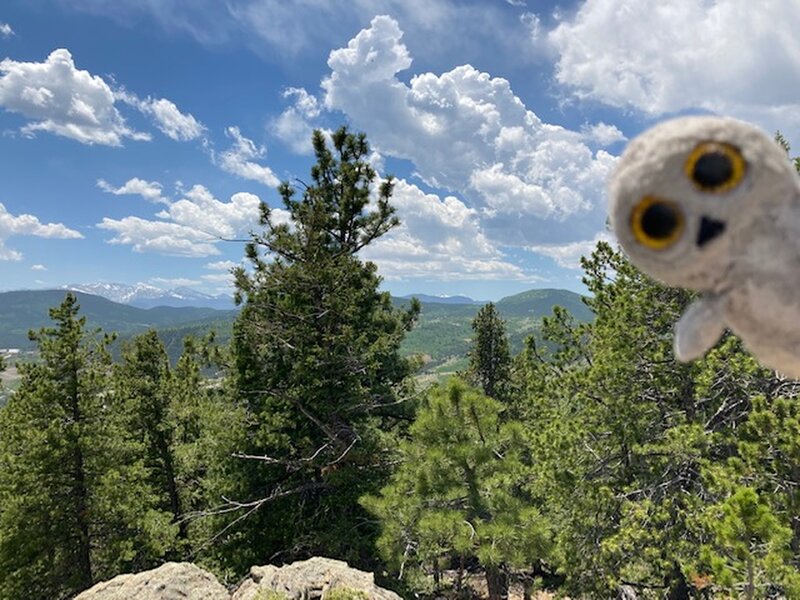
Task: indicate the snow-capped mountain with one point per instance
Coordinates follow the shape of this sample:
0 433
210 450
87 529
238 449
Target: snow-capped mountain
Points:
443 299
143 295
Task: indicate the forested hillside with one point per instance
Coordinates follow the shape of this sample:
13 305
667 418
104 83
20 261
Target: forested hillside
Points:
441 334
22 311
586 461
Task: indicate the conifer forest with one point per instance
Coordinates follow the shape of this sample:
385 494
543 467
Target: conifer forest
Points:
590 464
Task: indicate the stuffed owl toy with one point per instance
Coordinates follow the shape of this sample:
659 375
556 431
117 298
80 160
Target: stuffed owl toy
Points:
713 205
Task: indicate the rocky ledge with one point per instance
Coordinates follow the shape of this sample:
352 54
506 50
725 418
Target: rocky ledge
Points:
304 580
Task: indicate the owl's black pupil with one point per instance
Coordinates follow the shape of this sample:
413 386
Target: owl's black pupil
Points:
713 169
659 221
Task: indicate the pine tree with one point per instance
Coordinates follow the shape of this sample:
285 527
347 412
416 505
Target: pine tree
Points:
635 452
186 429
74 505
458 492
205 428
317 364
749 550
144 384
489 357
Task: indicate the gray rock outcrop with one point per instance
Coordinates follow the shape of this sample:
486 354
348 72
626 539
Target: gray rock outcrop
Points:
304 580
170 581
311 579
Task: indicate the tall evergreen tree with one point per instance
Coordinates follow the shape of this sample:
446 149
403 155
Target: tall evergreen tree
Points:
489 357
186 430
74 504
645 462
458 494
208 427
317 363
144 383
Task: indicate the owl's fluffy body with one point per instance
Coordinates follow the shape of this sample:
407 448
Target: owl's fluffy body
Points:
749 274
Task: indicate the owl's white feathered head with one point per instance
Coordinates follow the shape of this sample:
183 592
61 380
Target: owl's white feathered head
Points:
685 190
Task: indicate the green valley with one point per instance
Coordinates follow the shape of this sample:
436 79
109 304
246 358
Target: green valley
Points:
441 336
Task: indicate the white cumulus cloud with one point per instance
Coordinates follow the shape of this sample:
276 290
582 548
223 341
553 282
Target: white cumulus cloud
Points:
467 132
61 99
25 224
725 56
603 134
149 190
438 238
38 268
192 226
240 159
5 30
569 255
221 265
293 126
181 127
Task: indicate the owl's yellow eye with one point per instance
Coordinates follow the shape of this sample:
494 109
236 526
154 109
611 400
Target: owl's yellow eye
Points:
656 223
715 167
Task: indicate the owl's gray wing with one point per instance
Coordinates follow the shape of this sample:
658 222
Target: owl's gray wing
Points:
699 328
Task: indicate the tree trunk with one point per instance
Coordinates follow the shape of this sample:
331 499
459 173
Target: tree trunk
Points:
460 575
497 582
83 550
750 590
172 487
83 566
678 586
527 586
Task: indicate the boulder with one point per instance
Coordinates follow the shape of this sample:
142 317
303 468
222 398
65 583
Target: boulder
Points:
310 579
170 581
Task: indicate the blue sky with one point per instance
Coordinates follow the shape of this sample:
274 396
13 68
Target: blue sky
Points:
132 132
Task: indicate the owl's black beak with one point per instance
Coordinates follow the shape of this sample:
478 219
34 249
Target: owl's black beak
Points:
709 229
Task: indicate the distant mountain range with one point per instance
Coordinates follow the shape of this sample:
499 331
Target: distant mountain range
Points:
442 299
143 295
24 310
442 335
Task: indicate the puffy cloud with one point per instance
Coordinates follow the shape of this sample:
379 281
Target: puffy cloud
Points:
465 131
240 159
38 268
61 99
192 226
149 190
25 224
569 255
438 238
724 56
293 125
221 265
181 127
603 134
5 30
225 278
305 104
159 236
